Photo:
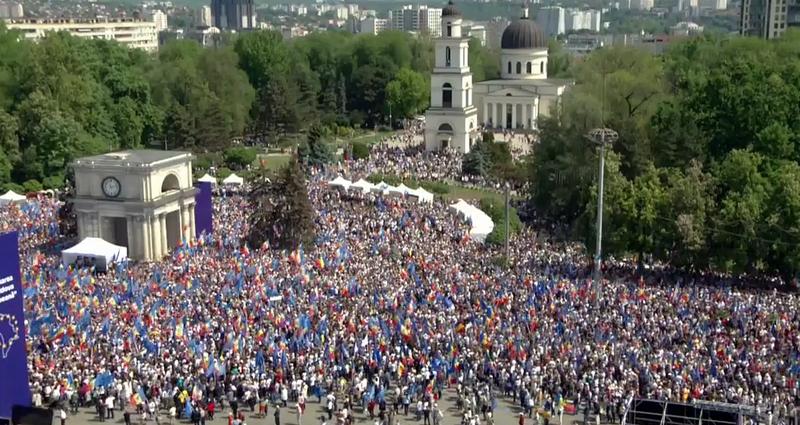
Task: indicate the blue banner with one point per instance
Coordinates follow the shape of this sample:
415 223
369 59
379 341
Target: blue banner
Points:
14 386
203 210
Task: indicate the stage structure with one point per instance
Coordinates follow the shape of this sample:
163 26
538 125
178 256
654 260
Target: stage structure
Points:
660 412
140 199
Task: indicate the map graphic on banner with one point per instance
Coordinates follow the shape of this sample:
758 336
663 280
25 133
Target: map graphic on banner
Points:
14 386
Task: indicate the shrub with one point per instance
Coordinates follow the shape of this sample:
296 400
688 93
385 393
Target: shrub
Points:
53 182
360 150
13 186
239 157
438 188
222 173
496 210
32 185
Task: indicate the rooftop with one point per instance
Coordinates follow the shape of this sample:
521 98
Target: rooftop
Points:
131 158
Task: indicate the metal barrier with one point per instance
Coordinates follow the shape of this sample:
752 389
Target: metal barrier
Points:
661 412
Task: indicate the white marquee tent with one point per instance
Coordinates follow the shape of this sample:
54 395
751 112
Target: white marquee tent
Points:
208 179
480 223
101 251
399 190
363 185
11 197
382 187
233 179
421 194
340 182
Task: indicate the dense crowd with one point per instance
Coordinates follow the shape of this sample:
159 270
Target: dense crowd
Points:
392 305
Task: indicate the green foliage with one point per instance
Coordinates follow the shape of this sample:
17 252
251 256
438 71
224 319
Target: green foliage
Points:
360 150
282 212
32 186
408 93
238 158
316 150
54 182
13 186
497 211
705 172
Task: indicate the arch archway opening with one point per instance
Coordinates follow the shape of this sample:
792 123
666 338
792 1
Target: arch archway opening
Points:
170 183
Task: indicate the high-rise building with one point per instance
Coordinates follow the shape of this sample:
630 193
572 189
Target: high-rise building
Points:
204 17
765 18
129 32
576 20
417 19
234 15
159 18
373 25
551 20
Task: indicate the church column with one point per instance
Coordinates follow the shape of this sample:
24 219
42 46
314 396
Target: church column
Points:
185 231
514 116
129 228
534 113
485 112
162 224
494 114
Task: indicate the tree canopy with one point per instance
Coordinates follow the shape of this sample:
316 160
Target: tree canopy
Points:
705 170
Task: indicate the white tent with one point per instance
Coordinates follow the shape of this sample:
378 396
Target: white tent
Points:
421 194
341 182
480 223
399 190
381 187
233 179
98 249
11 197
362 185
208 179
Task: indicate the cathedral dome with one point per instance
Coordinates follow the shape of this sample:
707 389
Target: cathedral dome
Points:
450 10
523 34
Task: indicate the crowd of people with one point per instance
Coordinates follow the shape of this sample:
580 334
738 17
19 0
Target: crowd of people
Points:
391 306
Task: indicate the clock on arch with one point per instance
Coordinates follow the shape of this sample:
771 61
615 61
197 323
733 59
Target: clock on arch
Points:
111 187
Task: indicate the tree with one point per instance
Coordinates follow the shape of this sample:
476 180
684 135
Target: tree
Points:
477 162
408 93
239 157
282 212
315 151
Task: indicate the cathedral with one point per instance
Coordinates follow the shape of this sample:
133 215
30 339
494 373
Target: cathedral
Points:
515 101
523 93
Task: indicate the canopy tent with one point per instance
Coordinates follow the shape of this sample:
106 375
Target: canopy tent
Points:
233 179
399 190
480 223
340 182
11 197
382 187
421 194
208 179
362 185
102 252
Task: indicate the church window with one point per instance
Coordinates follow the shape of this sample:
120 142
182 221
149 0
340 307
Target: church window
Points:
519 68
541 67
449 30
530 68
447 57
447 95
509 67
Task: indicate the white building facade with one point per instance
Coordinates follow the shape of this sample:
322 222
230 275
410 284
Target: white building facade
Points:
523 93
143 200
373 25
451 122
132 33
417 19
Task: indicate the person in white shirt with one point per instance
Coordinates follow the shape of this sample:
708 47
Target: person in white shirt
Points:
110 407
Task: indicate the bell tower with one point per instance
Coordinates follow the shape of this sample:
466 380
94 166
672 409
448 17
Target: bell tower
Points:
451 120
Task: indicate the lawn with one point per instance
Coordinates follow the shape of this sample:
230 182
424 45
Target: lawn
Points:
465 193
273 161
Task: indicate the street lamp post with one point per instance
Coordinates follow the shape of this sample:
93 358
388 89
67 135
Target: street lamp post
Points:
602 137
508 188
